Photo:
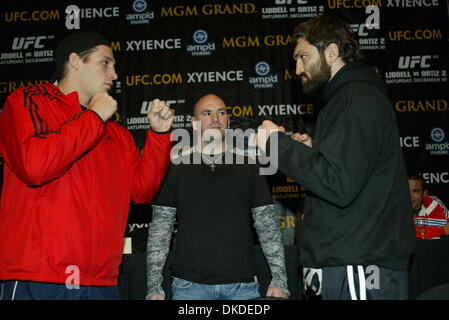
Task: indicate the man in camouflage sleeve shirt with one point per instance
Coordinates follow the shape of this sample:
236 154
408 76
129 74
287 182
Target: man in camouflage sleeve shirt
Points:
212 201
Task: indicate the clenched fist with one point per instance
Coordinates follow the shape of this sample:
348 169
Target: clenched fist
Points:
263 133
160 116
103 104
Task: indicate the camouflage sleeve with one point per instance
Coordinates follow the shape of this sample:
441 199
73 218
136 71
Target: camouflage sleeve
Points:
159 235
267 227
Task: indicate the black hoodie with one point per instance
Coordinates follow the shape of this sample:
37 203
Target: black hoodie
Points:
359 210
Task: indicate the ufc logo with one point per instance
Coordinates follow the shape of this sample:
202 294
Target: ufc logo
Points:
283 2
360 29
147 105
410 62
20 43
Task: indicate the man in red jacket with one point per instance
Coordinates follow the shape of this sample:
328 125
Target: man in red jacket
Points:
431 217
69 176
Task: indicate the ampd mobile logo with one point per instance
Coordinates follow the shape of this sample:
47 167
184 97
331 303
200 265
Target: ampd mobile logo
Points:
202 47
141 15
437 134
439 147
264 79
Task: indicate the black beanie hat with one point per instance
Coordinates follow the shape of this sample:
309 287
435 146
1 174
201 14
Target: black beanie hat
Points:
76 42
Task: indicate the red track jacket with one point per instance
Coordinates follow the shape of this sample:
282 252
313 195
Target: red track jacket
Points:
431 219
69 178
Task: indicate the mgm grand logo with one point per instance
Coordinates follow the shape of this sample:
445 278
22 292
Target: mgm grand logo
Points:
209 9
421 105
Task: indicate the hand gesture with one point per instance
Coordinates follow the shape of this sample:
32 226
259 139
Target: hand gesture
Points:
263 133
303 138
161 116
156 297
103 104
276 293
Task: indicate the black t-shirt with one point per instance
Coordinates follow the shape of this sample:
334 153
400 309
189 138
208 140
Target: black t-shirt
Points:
214 242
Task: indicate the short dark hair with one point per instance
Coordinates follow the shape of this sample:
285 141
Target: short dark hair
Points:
326 29
83 43
84 56
417 177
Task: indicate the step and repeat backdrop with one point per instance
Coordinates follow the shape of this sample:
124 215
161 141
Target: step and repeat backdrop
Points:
171 49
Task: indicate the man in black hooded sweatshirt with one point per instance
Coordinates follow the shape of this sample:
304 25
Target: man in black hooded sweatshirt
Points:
357 231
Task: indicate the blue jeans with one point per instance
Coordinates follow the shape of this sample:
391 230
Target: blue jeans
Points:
30 290
187 290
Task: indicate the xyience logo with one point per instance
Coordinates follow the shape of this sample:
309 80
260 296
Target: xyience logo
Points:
140 15
264 79
439 147
202 47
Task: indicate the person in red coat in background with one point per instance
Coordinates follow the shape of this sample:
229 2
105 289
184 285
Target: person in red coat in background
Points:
430 214
69 176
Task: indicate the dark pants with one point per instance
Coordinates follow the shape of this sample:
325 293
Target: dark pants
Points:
29 290
380 283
